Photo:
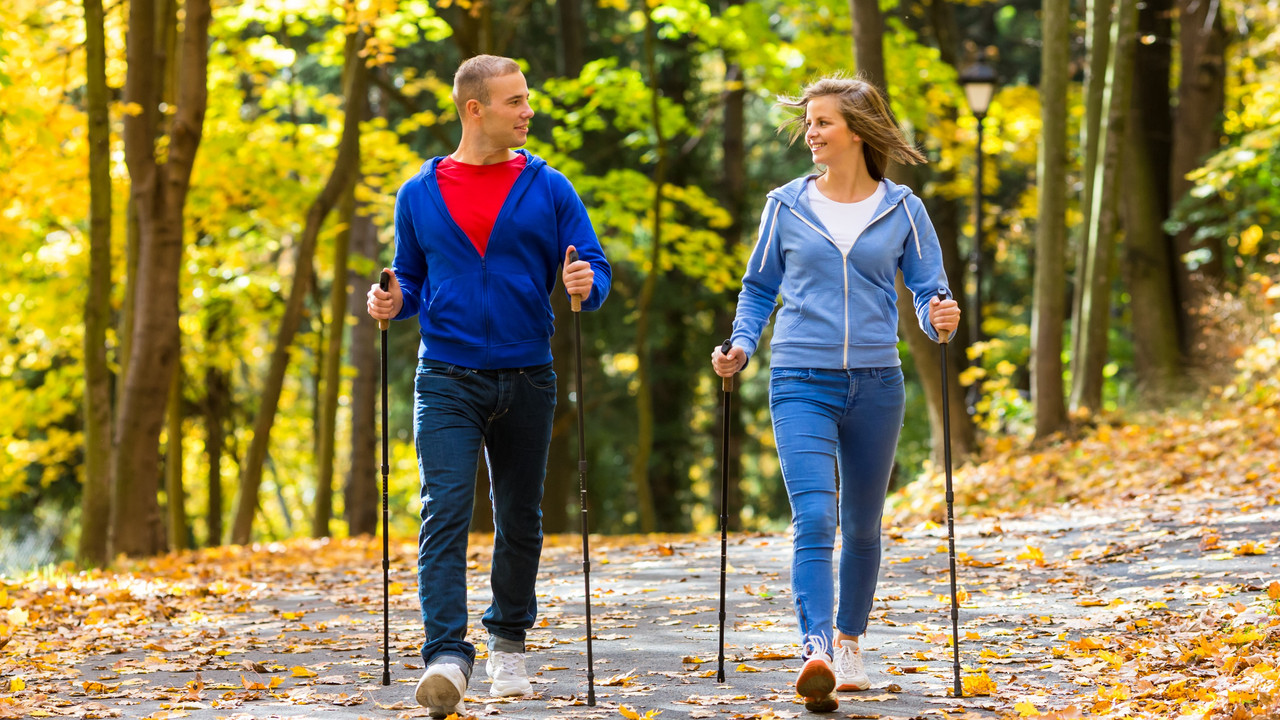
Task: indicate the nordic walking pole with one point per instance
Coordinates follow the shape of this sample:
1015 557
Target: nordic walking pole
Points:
727 386
582 481
384 282
951 532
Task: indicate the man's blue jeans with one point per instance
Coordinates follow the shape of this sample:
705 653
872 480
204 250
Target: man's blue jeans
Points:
829 426
458 410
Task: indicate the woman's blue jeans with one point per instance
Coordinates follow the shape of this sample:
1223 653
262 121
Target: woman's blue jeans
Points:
835 426
458 410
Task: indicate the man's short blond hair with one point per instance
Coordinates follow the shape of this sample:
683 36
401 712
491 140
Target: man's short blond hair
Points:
470 82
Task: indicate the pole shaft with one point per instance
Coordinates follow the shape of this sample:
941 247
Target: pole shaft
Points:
582 488
724 515
384 283
726 385
386 546
951 534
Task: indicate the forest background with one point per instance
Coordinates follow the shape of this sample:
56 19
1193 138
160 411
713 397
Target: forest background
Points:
196 194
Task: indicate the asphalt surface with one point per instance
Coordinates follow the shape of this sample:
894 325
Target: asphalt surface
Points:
309 645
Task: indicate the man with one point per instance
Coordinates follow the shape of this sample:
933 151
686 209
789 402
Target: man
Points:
479 237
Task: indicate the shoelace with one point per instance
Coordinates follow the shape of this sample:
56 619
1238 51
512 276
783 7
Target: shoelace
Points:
848 661
815 645
508 663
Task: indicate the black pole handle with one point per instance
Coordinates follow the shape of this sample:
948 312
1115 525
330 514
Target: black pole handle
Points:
726 383
384 284
944 336
574 300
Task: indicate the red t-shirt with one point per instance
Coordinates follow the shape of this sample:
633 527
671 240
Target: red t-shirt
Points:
474 194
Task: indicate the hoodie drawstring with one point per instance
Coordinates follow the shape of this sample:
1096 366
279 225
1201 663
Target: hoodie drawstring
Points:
914 232
773 228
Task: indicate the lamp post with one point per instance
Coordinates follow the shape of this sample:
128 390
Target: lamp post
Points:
979 82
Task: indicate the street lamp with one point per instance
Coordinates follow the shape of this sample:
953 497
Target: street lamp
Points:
979 82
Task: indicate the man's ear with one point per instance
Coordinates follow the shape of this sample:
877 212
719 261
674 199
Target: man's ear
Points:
474 108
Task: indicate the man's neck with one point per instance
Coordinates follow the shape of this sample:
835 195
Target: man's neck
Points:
479 153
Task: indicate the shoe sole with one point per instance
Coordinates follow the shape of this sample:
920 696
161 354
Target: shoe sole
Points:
501 690
852 687
826 704
815 682
509 691
439 695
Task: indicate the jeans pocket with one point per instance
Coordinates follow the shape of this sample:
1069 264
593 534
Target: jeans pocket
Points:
786 373
542 378
445 371
890 377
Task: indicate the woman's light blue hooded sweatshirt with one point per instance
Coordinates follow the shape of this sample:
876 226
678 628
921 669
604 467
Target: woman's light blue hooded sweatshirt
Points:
838 310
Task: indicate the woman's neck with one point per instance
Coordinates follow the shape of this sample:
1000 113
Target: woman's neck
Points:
848 182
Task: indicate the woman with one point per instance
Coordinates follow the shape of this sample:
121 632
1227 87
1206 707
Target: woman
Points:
831 243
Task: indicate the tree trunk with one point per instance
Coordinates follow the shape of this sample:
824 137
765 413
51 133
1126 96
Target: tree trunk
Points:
868 42
644 304
95 500
1202 42
344 171
1148 255
1049 286
323 510
1098 48
1149 271
673 400
216 405
175 494
361 498
569 36
1097 273
159 192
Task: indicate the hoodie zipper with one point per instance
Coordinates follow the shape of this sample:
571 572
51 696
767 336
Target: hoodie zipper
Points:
844 268
484 295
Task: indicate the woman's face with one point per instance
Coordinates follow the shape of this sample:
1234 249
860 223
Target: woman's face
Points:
826 132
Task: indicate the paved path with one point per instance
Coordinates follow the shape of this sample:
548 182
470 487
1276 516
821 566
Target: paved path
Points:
307 644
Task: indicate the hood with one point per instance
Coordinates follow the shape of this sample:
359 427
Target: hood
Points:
532 162
793 193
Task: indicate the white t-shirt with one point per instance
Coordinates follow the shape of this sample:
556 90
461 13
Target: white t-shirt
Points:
844 221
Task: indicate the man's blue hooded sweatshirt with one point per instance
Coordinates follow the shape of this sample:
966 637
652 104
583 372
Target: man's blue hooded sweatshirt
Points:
838 310
492 311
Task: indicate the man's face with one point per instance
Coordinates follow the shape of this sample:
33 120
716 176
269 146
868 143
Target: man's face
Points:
505 120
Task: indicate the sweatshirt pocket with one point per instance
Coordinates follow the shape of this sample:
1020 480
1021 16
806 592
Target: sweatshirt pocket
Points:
519 308
872 319
819 319
455 312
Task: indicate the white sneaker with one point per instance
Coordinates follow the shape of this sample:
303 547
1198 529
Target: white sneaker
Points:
816 680
850 674
440 690
506 670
